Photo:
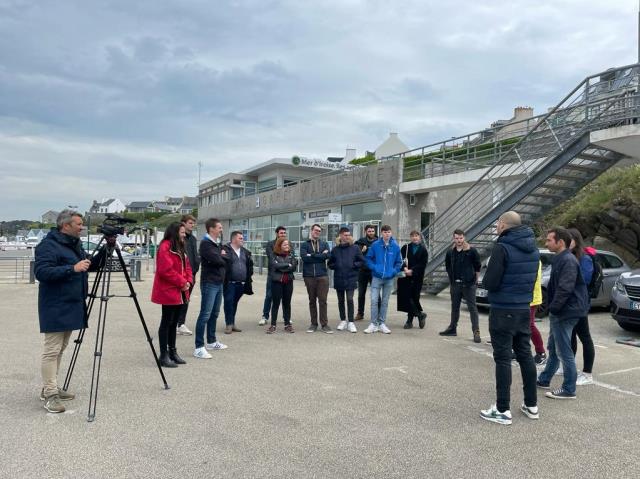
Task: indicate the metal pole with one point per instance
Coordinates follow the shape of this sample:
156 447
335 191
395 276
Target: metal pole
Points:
638 31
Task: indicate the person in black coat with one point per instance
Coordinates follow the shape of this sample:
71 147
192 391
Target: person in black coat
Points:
61 267
415 258
346 261
191 247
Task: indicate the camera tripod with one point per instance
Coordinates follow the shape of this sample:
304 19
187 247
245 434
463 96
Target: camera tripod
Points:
102 282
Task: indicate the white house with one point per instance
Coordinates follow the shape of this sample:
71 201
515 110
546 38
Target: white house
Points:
392 146
107 205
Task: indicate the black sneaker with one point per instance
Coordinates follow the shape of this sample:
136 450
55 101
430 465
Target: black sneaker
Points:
540 359
312 328
326 329
476 337
422 320
448 332
559 394
408 325
542 385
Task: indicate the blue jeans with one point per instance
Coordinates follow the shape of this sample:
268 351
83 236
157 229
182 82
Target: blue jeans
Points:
559 346
266 308
209 310
379 316
232 294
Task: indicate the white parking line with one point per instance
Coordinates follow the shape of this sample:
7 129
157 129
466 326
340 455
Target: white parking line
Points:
619 371
601 346
615 388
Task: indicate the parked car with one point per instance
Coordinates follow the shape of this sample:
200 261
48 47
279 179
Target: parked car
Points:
625 300
612 267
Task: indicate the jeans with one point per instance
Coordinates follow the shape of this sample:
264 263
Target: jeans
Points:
364 279
341 298
266 307
281 292
559 345
183 311
209 310
588 350
168 324
384 286
54 346
232 294
468 292
317 289
509 329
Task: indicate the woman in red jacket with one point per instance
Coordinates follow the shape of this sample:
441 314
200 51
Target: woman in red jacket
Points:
171 289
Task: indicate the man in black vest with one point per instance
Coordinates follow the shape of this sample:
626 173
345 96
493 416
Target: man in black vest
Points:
191 247
237 279
510 277
463 265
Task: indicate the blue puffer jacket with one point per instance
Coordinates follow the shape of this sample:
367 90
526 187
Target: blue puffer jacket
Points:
384 261
567 292
346 261
62 292
520 257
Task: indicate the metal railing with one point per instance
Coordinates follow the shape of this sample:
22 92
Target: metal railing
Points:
594 104
17 269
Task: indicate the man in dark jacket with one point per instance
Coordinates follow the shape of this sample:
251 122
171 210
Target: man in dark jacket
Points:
568 301
463 265
415 258
214 265
281 232
61 267
314 254
364 275
191 247
510 277
346 260
237 278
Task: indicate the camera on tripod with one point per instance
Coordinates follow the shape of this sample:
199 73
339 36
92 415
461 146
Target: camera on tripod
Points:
114 225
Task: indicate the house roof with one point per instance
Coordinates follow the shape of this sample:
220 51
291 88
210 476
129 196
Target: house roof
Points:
139 204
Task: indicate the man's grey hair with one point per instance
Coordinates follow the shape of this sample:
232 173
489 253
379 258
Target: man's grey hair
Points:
65 217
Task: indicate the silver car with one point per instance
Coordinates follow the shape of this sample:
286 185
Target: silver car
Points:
612 267
625 300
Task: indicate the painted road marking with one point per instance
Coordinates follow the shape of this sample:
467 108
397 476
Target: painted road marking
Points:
619 371
402 369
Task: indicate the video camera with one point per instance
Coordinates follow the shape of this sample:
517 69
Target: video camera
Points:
114 225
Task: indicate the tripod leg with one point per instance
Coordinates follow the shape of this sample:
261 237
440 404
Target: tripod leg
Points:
78 340
144 324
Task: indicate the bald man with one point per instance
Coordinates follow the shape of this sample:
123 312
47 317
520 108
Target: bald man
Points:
510 277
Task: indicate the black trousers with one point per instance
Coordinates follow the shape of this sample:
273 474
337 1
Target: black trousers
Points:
414 299
168 325
364 279
582 332
509 329
281 292
183 311
468 292
341 299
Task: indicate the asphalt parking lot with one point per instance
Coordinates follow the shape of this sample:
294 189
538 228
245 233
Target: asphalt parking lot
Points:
306 405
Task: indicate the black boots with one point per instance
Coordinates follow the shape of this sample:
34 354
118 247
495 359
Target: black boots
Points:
422 318
409 323
166 361
173 354
450 331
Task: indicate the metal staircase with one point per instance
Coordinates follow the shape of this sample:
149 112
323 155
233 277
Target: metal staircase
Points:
545 167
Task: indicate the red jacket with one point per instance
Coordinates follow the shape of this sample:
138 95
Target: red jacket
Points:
170 277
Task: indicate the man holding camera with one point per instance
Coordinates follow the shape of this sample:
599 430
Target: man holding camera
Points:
61 267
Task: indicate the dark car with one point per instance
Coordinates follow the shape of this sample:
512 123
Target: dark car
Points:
625 300
612 267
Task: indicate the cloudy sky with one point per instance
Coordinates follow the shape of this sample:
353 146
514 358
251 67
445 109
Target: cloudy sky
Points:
121 98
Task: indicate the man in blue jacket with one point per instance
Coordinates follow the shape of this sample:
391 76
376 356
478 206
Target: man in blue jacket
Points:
568 301
314 254
61 267
385 262
510 277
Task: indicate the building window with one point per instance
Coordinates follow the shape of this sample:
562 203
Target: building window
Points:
267 184
236 193
249 188
289 181
362 212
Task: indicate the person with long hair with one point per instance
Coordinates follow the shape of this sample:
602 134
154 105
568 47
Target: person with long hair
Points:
281 268
171 285
581 330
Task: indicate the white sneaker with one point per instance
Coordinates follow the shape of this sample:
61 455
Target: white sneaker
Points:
183 330
201 353
584 379
372 328
262 321
352 328
492 414
215 346
342 326
383 329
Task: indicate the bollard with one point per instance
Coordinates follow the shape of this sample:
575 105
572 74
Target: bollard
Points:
32 271
138 270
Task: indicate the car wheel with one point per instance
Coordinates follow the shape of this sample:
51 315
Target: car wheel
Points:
542 310
633 327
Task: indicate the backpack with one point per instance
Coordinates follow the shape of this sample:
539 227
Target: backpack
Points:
597 277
